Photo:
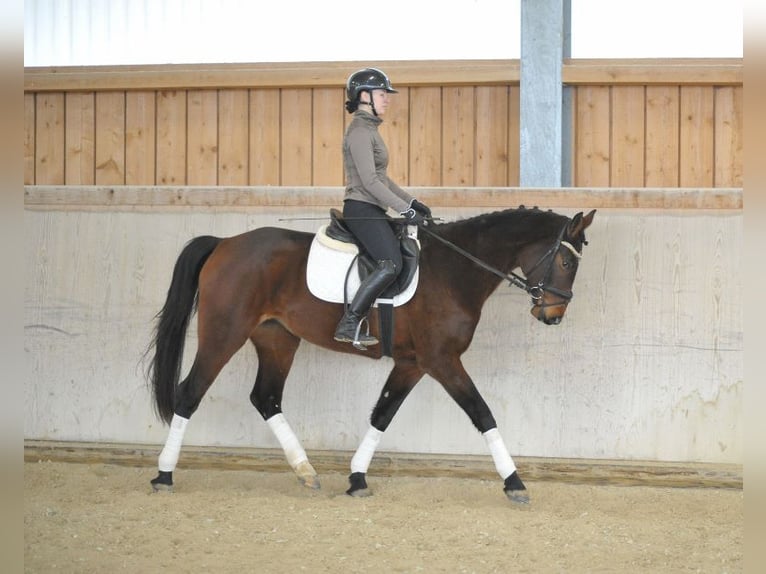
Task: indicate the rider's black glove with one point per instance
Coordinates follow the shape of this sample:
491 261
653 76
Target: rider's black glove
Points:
422 208
414 217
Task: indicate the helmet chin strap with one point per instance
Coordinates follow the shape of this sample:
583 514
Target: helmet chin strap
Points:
371 103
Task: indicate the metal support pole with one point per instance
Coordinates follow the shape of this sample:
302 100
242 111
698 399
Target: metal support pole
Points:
545 140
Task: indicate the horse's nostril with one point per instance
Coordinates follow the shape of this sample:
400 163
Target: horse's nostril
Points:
553 320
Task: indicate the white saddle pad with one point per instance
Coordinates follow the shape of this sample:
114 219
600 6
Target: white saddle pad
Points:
328 264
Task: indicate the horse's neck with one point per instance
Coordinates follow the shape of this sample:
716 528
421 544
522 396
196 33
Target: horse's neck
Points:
501 243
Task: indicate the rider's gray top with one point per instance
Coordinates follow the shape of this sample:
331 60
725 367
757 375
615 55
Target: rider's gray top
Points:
365 160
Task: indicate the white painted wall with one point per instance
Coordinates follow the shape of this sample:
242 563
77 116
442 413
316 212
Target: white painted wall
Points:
648 363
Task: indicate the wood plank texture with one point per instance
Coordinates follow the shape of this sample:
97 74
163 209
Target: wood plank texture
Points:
728 131
426 137
492 109
80 138
140 138
110 138
49 138
29 139
295 137
458 111
202 147
627 141
662 139
171 137
592 138
232 137
327 136
264 153
697 140
514 136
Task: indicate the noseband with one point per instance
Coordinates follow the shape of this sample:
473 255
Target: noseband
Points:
535 291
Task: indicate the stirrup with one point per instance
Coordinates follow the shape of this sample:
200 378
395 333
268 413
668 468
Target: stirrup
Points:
355 339
357 343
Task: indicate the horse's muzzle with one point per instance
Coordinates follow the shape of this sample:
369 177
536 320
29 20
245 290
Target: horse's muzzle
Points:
550 315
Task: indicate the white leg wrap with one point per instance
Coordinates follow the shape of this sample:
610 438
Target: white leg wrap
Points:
503 461
288 441
169 454
363 455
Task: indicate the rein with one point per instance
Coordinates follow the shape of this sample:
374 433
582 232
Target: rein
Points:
535 291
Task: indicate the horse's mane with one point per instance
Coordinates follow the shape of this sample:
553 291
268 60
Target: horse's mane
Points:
523 220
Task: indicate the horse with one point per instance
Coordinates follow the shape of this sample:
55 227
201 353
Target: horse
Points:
253 286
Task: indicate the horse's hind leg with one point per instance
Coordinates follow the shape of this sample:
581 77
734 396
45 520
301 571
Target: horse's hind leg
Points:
217 344
400 382
188 397
276 348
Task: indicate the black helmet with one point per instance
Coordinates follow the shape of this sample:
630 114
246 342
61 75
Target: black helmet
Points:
367 79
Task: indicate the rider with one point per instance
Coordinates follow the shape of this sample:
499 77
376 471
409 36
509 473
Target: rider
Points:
369 194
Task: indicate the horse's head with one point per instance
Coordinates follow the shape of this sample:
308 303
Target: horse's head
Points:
550 270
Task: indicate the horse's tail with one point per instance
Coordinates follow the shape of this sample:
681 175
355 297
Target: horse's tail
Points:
164 370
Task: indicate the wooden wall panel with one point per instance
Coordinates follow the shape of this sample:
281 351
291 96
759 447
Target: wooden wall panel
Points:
592 139
662 128
395 130
80 135
296 137
49 138
140 138
492 141
202 140
110 138
233 126
327 136
697 141
171 137
458 111
728 136
29 139
514 136
627 145
630 128
425 136
264 153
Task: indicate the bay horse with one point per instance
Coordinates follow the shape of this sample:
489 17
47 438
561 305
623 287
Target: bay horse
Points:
253 286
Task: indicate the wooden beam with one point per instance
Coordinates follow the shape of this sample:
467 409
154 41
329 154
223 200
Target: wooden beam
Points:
572 471
717 71
684 71
270 75
141 198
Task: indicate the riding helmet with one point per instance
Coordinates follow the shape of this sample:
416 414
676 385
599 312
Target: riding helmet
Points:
367 79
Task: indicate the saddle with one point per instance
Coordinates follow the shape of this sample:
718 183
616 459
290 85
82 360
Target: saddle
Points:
410 249
337 264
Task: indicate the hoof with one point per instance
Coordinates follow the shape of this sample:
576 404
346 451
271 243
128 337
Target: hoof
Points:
515 490
163 482
362 493
358 486
307 475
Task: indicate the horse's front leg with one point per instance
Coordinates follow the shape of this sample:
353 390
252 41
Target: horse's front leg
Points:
400 382
461 388
276 348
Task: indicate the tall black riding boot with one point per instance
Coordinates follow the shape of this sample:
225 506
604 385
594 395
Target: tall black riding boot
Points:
348 330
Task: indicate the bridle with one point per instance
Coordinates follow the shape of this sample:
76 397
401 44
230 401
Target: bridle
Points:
536 292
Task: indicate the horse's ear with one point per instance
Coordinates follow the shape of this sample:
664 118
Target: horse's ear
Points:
580 223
